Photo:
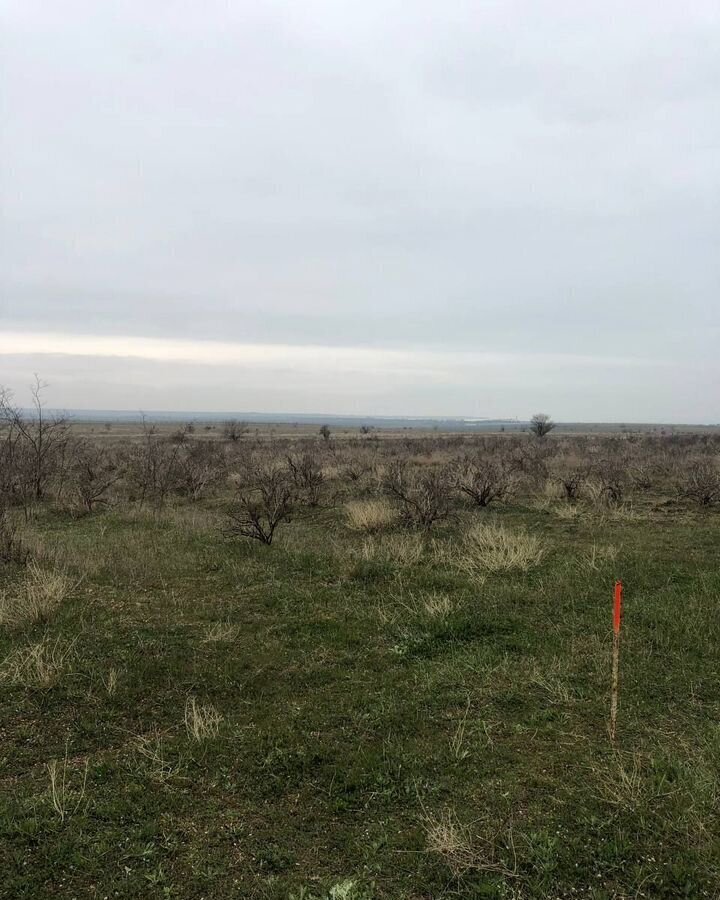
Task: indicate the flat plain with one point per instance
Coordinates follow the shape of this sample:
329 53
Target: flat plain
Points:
405 694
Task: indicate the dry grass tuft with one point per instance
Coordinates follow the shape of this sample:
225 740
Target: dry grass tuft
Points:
221 633
568 512
65 799
110 681
41 593
150 749
370 516
202 721
494 548
627 782
448 838
435 605
597 556
427 605
462 851
401 549
39 665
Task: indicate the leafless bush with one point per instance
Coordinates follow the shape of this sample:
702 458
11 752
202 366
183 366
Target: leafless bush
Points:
701 482
483 479
262 503
94 470
356 465
153 467
233 430
422 496
200 466
571 481
530 461
307 475
613 481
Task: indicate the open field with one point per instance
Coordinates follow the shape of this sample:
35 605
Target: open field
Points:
404 695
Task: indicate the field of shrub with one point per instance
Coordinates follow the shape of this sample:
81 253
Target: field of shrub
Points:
356 667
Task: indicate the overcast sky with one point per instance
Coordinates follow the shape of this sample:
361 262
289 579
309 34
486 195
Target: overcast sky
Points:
426 208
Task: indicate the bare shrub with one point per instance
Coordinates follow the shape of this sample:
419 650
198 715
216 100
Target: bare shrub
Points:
153 467
201 466
483 479
571 481
233 430
370 516
701 482
262 504
307 475
356 465
93 472
613 481
421 496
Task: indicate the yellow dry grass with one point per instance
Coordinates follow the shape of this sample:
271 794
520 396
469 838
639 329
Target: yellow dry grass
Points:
370 516
494 548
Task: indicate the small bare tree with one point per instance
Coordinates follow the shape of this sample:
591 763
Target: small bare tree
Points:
262 504
41 439
541 424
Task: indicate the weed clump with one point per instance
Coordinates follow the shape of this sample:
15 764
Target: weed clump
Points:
494 548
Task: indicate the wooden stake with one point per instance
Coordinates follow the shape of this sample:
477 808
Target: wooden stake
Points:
617 618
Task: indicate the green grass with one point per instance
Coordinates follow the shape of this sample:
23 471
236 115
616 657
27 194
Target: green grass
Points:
369 747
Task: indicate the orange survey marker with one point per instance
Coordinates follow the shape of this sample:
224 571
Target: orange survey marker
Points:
617 607
617 619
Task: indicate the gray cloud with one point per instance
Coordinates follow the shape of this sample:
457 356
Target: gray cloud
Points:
500 178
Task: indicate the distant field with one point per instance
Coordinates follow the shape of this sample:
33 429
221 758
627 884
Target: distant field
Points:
292 430
374 706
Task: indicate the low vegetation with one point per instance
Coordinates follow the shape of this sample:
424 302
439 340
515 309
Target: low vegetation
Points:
370 666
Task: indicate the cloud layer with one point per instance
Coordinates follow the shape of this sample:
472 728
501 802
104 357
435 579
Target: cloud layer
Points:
410 197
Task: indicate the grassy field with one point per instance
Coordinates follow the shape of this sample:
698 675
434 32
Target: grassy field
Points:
361 710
